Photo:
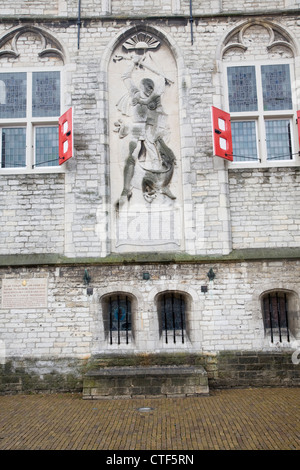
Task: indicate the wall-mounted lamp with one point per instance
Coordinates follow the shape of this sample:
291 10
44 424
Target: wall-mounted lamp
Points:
211 275
86 277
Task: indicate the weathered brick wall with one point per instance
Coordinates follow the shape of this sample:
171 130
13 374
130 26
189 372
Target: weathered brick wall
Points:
263 207
226 317
32 214
224 370
244 369
30 7
250 5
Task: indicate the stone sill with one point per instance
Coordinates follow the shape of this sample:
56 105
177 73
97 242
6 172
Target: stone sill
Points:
254 254
186 17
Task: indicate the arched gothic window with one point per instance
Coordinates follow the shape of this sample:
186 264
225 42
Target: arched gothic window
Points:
30 99
258 61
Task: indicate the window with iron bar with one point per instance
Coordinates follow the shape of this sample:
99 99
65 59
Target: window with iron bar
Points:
118 319
172 313
276 315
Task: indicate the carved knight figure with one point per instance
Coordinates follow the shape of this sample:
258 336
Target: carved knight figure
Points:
146 132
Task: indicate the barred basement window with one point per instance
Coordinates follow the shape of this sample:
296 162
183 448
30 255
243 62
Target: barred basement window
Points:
276 315
118 319
172 316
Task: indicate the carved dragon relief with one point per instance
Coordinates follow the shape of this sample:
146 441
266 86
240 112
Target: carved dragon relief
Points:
147 128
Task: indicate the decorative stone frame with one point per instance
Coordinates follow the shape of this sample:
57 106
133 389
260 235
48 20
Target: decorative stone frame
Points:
183 81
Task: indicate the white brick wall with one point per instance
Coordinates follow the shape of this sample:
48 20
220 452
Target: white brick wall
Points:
228 316
69 213
32 214
262 207
140 7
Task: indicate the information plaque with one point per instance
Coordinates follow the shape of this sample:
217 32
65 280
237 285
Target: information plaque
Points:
24 293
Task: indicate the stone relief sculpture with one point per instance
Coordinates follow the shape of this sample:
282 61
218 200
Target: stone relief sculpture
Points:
146 129
144 150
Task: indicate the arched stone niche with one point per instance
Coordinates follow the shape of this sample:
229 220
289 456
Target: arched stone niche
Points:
144 141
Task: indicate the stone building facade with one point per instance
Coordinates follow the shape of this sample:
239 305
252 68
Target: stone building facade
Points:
146 247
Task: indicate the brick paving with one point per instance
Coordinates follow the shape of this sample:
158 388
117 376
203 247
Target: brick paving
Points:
236 419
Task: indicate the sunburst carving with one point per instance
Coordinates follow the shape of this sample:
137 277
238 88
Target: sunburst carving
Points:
141 41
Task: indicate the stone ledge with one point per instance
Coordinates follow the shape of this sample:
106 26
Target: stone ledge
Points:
251 254
141 382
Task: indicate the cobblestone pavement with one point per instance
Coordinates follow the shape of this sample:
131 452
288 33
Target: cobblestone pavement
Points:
236 419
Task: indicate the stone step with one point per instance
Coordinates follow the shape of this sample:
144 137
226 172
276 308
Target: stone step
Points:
142 382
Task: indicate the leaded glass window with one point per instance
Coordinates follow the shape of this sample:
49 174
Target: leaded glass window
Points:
29 112
13 95
261 111
242 89
276 83
13 148
46 146
45 94
278 136
244 140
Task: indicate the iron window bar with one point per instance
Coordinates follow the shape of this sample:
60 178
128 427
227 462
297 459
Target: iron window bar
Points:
166 319
110 321
118 315
286 317
181 317
278 316
46 161
271 314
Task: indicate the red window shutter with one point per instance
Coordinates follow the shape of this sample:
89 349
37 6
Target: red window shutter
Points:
222 137
65 136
